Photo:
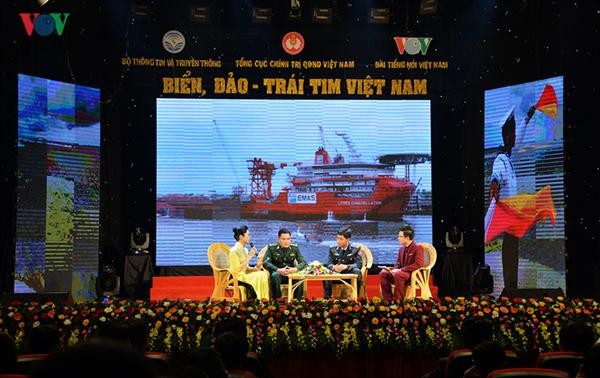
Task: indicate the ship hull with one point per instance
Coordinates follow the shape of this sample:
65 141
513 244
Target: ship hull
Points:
388 202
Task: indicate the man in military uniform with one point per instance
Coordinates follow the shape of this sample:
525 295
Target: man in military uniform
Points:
281 259
343 258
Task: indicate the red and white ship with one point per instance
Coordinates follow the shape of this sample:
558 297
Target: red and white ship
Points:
350 190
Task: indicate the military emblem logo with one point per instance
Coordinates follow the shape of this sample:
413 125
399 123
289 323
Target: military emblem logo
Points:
293 43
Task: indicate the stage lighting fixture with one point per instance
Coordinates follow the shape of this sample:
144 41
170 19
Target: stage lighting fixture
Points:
295 11
200 14
42 2
108 283
262 15
379 15
428 7
322 15
141 9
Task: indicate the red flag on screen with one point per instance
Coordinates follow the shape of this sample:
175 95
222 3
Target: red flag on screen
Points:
515 215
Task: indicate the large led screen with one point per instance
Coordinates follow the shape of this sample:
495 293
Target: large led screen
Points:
58 187
524 185
311 166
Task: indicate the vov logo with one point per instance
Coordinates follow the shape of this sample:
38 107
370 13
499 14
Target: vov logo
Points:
44 24
412 45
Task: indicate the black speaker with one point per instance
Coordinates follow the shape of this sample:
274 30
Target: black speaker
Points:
62 297
533 293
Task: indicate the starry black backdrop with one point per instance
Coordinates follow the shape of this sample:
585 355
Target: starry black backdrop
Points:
487 44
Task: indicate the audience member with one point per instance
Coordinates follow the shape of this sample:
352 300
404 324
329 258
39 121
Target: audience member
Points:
576 337
487 356
8 354
233 349
95 359
44 339
138 334
591 362
208 360
115 332
253 362
473 332
190 372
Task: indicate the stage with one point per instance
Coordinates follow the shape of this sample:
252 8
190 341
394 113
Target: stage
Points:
201 287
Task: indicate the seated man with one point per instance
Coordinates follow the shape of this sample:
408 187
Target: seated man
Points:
343 258
411 256
281 259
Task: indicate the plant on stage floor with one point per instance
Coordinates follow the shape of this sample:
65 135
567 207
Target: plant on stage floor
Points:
315 268
526 325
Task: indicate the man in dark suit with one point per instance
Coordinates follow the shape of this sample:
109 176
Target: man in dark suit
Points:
281 259
343 258
411 256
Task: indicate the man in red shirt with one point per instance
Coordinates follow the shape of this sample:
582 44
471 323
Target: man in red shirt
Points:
411 256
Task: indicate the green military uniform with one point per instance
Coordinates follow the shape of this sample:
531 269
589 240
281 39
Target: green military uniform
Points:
277 257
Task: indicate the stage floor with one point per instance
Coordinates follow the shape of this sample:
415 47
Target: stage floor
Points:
201 287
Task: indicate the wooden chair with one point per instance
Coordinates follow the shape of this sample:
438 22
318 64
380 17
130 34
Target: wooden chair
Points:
564 361
340 291
420 278
367 263
284 286
528 373
225 279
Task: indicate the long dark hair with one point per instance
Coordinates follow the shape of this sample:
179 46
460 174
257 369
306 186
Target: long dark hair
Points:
239 231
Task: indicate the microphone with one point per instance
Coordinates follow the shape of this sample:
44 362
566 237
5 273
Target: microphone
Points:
251 245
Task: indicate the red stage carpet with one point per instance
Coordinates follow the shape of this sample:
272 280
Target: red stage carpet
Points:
200 287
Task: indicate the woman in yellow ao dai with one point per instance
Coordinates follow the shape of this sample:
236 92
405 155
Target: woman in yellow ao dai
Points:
238 262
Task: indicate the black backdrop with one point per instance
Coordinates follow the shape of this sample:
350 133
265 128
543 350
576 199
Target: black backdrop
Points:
487 45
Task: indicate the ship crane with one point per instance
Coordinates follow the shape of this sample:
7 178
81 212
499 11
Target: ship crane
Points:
354 155
404 159
261 174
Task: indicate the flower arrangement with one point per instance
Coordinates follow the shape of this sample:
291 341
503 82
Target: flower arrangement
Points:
315 268
526 325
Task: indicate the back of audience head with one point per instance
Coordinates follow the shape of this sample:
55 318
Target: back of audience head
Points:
115 332
576 337
95 359
208 360
190 372
8 354
488 356
231 324
43 339
138 334
474 331
233 349
591 362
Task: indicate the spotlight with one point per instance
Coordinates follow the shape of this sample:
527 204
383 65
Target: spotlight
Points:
428 7
200 14
108 283
322 15
42 2
295 12
139 241
141 9
379 15
262 15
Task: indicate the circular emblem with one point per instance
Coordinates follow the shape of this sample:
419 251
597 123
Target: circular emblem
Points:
173 41
293 43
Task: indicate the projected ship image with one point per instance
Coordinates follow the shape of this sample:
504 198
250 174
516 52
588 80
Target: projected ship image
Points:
333 186
328 187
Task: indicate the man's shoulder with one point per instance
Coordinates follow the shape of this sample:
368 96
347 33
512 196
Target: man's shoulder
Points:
273 246
294 247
